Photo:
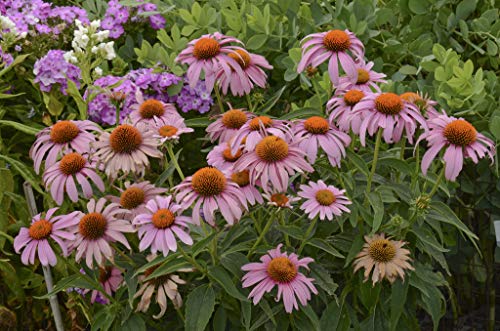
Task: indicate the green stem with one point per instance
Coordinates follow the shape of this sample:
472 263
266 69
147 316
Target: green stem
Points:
191 260
219 99
436 184
403 147
117 114
174 160
374 163
249 101
262 234
282 222
306 236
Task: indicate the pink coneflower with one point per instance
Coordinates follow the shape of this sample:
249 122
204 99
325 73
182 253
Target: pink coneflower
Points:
367 79
322 199
257 128
211 190
273 161
386 257
333 46
425 104
151 110
251 193
221 157
461 141
165 285
170 128
134 198
389 112
97 229
208 54
110 279
227 124
280 199
36 237
251 65
340 108
281 269
126 148
60 178
317 132
60 138
158 225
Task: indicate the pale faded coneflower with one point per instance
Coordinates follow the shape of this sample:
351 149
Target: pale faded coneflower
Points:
165 286
42 229
151 110
388 111
209 53
334 46
62 137
386 257
127 149
280 199
212 190
221 157
157 225
367 79
316 132
257 128
426 105
325 200
170 129
134 198
60 177
97 229
281 270
340 107
460 139
227 124
251 65
272 163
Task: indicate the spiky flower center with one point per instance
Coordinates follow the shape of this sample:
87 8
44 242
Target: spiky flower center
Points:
382 250
63 132
40 229
163 218
352 97
281 270
72 163
279 199
241 178
208 181
206 48
316 125
229 157
256 122
460 133
325 197
234 119
410 96
125 139
272 149
389 103
132 197
151 108
363 76
105 274
92 226
336 41
242 57
167 131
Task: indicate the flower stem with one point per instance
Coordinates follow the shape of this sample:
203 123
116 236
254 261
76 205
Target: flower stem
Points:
117 115
249 101
174 160
191 260
436 184
262 234
219 99
306 236
282 222
374 163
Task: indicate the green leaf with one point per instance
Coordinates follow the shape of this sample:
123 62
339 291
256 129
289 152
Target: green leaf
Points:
398 298
21 127
272 101
24 171
465 8
256 41
494 126
200 122
419 7
408 70
358 162
323 245
169 267
302 113
134 323
397 164
331 316
221 276
323 279
246 314
378 209
75 94
199 307
76 280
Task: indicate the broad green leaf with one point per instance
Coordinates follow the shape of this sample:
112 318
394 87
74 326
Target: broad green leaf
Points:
302 113
221 276
494 126
24 171
200 122
398 298
358 162
331 316
134 323
256 41
323 245
200 305
378 210
21 127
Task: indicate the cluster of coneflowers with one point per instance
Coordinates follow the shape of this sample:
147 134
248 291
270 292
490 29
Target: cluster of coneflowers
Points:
254 159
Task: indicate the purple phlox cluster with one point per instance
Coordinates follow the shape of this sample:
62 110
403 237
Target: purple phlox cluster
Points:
197 98
117 15
40 17
5 58
53 69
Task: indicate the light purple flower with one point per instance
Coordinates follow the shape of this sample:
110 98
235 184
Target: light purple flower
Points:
367 79
322 199
53 70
